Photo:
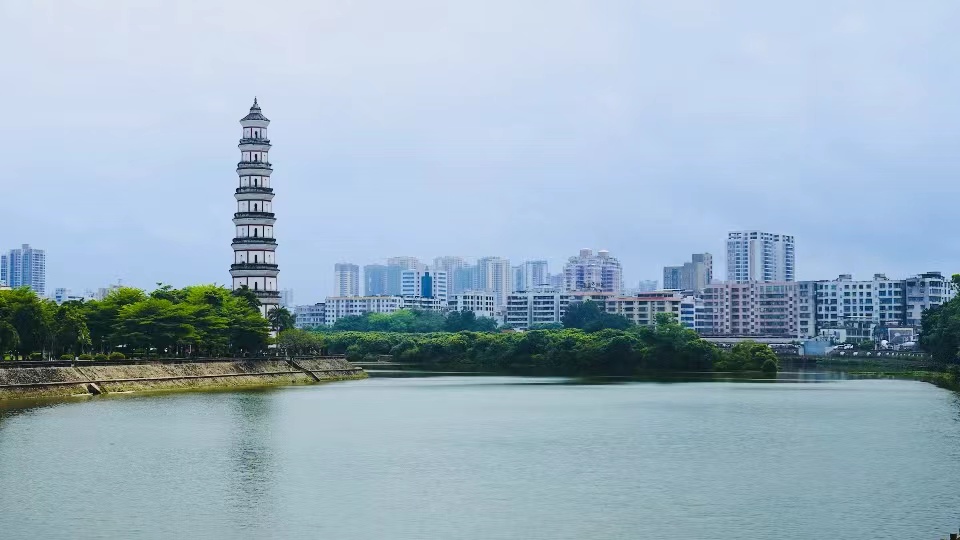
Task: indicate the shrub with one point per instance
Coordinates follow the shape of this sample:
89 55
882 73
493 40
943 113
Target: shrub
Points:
66 357
85 356
36 356
117 356
100 356
769 366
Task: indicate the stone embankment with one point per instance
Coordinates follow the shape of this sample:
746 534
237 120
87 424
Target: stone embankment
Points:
88 378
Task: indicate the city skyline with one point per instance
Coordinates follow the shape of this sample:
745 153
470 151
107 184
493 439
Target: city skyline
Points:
770 121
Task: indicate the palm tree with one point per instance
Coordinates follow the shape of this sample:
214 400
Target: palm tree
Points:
280 319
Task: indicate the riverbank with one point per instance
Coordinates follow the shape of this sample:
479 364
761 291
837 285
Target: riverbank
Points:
63 381
895 368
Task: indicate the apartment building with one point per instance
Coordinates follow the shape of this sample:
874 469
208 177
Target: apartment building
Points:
760 256
310 316
750 309
482 304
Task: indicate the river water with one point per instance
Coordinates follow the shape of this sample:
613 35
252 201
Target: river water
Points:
490 458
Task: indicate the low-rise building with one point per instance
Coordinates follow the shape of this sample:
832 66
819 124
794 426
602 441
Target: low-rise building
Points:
310 316
338 307
482 304
643 308
532 308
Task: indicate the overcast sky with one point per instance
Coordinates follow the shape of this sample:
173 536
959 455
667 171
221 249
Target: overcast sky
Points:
526 129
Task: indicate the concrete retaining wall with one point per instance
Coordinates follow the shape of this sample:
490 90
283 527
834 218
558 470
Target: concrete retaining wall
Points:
40 382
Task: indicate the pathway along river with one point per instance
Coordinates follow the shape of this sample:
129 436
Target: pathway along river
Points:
490 458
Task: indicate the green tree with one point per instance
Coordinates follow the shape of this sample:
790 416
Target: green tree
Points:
750 356
591 317
280 319
30 318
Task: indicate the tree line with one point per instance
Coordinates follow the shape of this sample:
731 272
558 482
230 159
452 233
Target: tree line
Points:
202 320
593 349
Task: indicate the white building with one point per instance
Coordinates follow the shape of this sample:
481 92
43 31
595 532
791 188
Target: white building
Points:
25 267
452 265
422 303
482 304
750 309
760 256
286 298
61 295
528 309
494 275
337 307
531 275
424 284
311 316
254 246
862 307
589 272
346 278
643 308
395 267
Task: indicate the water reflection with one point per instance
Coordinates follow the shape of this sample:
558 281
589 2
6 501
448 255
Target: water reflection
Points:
252 458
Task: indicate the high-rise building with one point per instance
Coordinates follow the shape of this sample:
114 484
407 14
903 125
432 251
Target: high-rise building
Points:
286 299
395 266
589 272
424 284
375 280
753 308
25 267
346 277
692 276
494 275
516 279
464 279
531 275
449 264
648 285
760 256
254 246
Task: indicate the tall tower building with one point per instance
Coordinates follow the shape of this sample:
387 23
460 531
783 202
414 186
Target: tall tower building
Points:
25 267
494 275
760 256
599 272
347 278
375 280
254 247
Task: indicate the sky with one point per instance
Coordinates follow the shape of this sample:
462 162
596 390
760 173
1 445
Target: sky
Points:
526 129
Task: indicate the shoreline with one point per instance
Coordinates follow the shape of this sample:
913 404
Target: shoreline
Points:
66 382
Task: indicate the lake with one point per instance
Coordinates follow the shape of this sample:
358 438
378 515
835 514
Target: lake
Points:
468 457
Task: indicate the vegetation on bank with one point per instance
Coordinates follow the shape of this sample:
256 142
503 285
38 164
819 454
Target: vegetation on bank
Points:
203 320
592 342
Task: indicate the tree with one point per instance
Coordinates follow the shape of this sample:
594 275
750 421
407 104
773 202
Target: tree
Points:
280 319
750 356
298 342
590 317
247 294
29 316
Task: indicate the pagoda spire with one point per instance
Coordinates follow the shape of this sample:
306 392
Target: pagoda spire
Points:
254 245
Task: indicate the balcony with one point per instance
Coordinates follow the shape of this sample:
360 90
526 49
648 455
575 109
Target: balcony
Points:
252 189
254 240
255 215
252 140
253 266
254 165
